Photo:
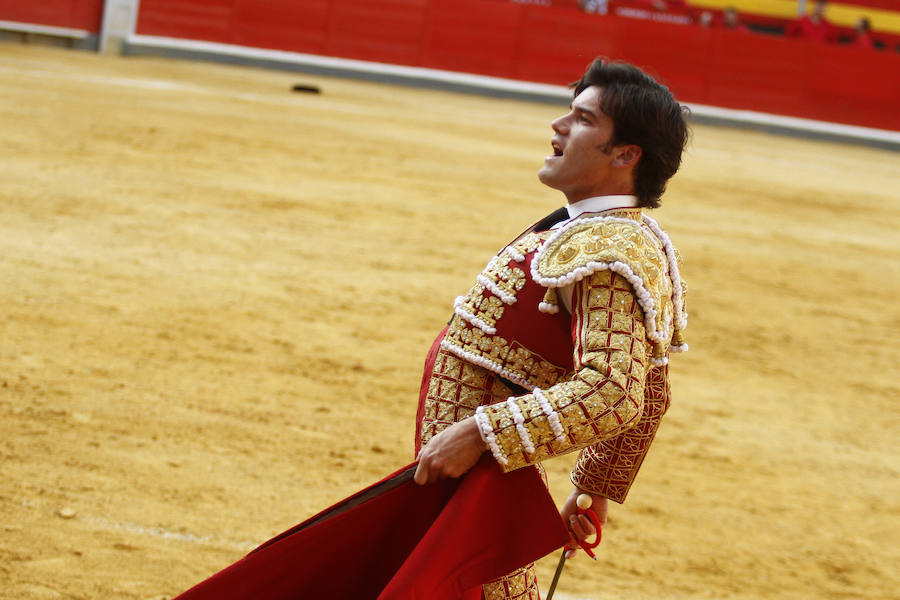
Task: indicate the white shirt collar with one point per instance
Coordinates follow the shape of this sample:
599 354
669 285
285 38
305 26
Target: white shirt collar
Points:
600 203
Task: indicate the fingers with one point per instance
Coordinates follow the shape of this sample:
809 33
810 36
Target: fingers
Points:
601 509
581 526
426 472
429 469
421 476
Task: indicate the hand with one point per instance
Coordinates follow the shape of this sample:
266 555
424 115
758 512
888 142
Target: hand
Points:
580 527
450 453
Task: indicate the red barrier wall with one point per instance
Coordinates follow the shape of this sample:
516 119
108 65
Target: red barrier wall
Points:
553 45
75 14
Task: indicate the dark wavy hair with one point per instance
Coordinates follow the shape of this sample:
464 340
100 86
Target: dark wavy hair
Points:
644 113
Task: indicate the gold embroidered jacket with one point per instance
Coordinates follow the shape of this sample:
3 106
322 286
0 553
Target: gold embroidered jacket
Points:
597 378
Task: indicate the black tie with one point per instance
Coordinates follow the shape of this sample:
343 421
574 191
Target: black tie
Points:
558 215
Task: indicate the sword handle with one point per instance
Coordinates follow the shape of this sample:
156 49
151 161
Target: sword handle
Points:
583 502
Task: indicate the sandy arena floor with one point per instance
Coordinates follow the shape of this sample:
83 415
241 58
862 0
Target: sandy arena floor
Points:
218 296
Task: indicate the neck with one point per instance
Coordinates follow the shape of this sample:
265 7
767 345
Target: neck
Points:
575 198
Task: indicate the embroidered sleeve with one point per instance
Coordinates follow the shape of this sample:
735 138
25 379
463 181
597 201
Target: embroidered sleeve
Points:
608 468
604 398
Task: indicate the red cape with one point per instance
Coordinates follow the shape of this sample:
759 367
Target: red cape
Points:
398 540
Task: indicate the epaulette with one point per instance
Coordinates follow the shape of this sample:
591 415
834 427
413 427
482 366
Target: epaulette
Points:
642 254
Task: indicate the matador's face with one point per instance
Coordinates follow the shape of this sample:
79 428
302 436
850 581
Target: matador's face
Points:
584 162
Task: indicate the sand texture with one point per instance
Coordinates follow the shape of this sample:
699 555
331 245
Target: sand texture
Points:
217 296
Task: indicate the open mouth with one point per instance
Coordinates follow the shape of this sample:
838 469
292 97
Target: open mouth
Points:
557 149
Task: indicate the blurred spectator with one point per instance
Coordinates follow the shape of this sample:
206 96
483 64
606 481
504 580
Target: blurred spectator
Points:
667 5
705 19
599 7
862 34
813 26
731 20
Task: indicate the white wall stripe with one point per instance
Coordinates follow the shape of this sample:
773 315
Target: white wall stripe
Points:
137 43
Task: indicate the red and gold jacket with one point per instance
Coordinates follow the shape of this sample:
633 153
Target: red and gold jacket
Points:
594 378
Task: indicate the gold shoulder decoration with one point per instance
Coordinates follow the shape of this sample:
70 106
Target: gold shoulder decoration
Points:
679 285
638 251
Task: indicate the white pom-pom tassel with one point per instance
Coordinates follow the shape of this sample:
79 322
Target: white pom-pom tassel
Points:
552 417
520 425
487 434
550 309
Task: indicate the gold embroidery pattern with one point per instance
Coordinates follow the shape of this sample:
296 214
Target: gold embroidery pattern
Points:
501 280
473 337
608 468
487 308
455 389
508 359
518 585
606 395
508 279
530 242
624 246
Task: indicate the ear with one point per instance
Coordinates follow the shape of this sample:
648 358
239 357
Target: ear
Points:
626 156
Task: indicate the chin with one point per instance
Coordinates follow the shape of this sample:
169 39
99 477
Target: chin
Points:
545 176
547 179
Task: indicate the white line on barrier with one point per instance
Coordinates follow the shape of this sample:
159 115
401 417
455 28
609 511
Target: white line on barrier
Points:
346 64
45 29
497 84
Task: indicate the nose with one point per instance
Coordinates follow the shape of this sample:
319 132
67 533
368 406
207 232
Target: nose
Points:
560 125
